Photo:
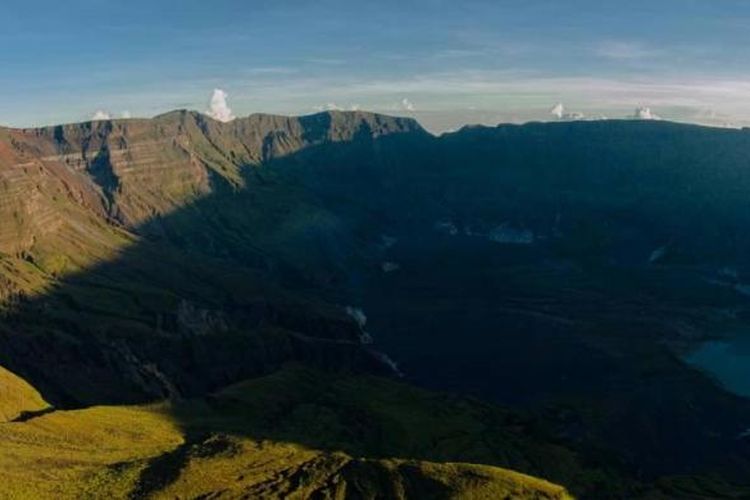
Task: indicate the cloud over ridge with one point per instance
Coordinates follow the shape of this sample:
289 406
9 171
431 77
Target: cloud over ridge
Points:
218 108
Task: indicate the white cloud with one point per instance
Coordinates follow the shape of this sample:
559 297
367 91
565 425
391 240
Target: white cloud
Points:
507 95
218 109
126 114
500 95
407 105
645 113
329 106
575 115
101 115
332 106
557 110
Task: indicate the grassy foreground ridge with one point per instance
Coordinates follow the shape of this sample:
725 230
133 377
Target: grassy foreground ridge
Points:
237 443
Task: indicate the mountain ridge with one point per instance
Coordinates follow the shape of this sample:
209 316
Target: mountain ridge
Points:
468 126
171 258
181 114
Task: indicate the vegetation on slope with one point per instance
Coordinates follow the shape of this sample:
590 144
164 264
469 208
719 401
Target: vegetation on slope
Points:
273 438
17 397
171 257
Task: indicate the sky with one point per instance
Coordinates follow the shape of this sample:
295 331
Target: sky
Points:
447 63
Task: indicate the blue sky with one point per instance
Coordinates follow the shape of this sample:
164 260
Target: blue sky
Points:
446 62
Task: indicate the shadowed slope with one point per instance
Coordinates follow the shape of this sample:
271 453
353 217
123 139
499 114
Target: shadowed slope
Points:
98 309
525 274
229 446
146 277
192 303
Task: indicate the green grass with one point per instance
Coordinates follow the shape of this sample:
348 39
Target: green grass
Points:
72 454
17 397
262 438
270 470
298 433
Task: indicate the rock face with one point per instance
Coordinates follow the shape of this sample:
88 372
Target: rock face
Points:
114 205
145 259
136 169
179 253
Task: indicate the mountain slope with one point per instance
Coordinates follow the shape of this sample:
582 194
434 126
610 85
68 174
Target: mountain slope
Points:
560 268
229 447
17 397
164 231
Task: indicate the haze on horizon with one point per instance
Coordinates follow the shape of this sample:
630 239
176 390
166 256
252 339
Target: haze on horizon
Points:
445 63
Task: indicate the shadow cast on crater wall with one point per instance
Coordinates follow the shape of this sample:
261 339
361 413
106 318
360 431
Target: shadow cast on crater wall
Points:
225 288
239 283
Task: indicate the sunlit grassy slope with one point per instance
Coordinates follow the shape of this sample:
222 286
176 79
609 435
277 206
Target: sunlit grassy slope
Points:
269 438
74 454
17 397
300 433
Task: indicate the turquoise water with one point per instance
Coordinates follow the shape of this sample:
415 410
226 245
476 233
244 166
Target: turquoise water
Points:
727 360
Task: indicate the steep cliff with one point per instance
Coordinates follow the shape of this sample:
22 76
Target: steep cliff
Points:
563 268
142 258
